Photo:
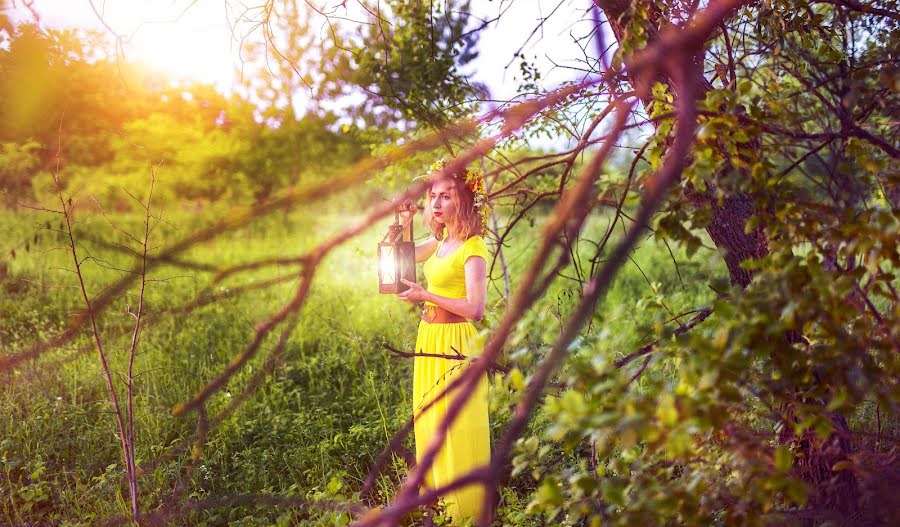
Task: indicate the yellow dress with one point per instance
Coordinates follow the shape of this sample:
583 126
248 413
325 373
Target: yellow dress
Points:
467 444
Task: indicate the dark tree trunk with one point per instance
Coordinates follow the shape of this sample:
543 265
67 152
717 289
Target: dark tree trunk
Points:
726 229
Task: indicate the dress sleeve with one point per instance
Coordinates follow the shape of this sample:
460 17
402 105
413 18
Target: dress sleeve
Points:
475 246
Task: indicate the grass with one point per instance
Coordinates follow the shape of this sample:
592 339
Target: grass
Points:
312 429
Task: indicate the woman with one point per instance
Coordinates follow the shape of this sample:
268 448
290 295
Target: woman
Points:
455 269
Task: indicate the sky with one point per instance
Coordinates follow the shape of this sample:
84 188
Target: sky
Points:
196 42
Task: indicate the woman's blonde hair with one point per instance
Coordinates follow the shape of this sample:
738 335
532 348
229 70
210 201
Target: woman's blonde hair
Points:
466 221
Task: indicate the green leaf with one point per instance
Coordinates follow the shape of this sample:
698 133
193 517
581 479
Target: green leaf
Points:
783 459
796 491
838 400
517 379
550 492
841 465
666 411
823 428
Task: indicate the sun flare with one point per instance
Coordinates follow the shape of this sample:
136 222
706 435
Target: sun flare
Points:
192 45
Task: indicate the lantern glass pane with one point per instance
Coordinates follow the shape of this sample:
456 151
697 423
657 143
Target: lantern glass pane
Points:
406 258
388 265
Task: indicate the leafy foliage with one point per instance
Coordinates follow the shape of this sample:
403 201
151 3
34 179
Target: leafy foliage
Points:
407 61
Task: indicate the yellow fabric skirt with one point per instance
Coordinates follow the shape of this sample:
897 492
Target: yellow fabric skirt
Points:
467 444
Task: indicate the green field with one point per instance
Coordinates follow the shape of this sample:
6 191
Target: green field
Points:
311 429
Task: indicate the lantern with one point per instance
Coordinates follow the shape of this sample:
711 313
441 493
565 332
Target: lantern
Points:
396 257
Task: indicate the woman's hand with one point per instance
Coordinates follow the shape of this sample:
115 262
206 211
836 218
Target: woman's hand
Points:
407 210
414 294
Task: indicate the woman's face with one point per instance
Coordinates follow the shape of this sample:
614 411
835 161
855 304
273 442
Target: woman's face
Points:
443 206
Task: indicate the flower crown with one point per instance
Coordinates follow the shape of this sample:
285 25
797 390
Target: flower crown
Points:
474 179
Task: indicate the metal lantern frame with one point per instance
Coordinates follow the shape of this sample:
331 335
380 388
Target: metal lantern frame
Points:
396 257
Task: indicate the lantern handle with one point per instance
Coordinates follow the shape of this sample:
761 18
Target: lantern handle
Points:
402 228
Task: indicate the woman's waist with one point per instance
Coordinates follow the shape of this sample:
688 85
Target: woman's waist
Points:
434 314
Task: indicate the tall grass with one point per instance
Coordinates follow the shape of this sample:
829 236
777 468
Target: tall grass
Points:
312 429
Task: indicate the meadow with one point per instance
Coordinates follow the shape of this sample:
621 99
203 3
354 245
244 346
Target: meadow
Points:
312 429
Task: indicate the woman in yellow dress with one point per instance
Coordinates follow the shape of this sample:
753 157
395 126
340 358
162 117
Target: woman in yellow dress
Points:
455 268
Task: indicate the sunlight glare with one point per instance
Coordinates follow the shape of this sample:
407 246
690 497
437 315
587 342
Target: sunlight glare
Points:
195 45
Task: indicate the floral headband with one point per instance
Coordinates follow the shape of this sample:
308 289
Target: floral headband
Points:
474 179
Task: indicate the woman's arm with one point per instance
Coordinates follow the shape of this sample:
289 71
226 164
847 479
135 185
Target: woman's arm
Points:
425 249
471 307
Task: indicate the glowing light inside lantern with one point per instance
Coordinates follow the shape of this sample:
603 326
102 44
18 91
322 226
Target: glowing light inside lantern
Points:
388 266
